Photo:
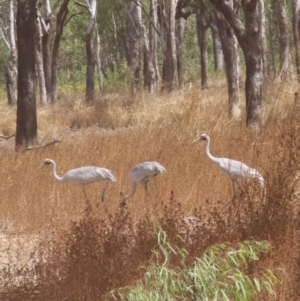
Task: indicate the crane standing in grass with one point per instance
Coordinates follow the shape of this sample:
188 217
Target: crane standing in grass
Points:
142 173
83 176
232 168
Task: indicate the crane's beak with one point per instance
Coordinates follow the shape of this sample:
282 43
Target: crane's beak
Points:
41 166
196 140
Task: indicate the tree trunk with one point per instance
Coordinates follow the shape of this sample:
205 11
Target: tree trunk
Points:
270 51
149 71
286 68
90 60
11 71
26 132
230 51
180 35
202 41
98 61
166 13
60 21
47 17
217 44
134 14
296 31
38 53
250 34
153 37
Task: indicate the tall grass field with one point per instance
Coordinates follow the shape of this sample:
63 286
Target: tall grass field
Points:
53 247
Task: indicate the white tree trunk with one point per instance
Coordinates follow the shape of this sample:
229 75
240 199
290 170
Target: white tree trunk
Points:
98 61
38 53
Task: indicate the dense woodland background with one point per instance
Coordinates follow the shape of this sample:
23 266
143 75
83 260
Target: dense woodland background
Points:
111 107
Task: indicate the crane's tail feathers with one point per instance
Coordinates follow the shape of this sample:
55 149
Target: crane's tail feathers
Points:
261 179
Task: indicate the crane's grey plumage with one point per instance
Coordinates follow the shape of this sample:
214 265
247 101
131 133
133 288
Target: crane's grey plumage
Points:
82 175
232 168
142 173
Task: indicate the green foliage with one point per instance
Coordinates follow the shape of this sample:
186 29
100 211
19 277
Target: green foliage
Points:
222 273
117 80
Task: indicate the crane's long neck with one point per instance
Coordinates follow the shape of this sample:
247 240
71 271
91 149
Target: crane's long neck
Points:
133 188
57 177
209 155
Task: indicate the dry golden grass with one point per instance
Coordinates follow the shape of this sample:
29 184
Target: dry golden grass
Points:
119 132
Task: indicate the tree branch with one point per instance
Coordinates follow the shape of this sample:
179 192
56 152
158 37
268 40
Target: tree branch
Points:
231 17
40 146
7 137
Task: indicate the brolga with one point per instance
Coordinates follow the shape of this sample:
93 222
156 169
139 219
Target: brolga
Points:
141 174
83 176
232 168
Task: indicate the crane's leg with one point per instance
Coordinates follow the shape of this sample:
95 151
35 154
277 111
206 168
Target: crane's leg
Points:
234 194
86 200
145 185
103 192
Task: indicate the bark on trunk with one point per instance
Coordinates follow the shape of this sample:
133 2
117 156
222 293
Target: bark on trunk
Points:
230 51
166 13
26 132
180 35
250 34
149 71
46 29
60 21
11 70
98 61
217 44
153 37
202 41
38 53
90 60
296 31
134 14
286 68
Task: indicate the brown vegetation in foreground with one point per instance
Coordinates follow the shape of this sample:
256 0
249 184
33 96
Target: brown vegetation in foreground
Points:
83 253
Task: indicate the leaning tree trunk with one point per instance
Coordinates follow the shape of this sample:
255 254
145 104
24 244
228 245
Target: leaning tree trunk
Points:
26 132
286 68
231 58
249 34
202 41
296 31
11 70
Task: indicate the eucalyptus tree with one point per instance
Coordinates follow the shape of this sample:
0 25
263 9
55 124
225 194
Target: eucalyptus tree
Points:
250 37
61 19
166 17
46 17
217 44
285 61
231 59
26 132
91 7
134 15
202 20
296 31
38 53
10 43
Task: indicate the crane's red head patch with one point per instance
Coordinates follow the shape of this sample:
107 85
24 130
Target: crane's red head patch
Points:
203 137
